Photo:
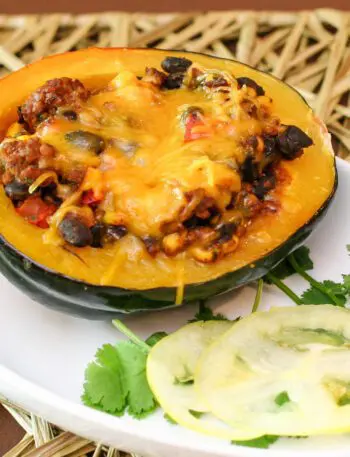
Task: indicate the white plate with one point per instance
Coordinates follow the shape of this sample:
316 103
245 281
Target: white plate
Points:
43 355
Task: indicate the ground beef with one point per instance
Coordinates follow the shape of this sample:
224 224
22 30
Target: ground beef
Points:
53 94
21 159
74 175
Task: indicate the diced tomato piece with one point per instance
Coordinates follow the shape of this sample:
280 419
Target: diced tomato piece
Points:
36 211
90 198
196 128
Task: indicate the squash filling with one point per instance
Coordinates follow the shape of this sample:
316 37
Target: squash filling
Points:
181 157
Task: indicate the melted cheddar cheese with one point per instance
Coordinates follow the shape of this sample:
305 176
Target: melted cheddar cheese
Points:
148 186
168 166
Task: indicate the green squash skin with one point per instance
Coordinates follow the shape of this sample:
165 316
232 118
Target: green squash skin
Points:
65 294
100 302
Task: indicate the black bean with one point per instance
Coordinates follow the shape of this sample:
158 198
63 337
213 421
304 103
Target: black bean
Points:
115 232
48 193
264 185
271 153
292 141
244 81
194 222
49 188
16 190
86 140
226 231
173 81
249 169
270 146
176 64
74 231
70 115
98 232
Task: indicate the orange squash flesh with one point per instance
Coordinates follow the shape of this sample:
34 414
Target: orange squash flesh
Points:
127 264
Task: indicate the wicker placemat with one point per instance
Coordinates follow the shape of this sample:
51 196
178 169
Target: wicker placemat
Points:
310 50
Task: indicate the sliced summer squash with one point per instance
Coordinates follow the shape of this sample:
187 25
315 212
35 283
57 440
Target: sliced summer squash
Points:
170 368
284 372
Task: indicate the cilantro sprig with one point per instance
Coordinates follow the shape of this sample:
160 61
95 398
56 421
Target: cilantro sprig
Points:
205 313
258 295
116 382
263 442
319 292
321 287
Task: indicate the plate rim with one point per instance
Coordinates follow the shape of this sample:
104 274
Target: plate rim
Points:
60 411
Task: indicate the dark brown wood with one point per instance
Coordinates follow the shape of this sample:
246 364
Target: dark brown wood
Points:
10 431
35 6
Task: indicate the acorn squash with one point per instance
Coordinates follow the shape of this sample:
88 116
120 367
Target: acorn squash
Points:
137 179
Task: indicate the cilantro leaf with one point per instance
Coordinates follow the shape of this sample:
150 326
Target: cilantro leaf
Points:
104 387
302 256
272 279
153 339
282 398
140 399
285 269
118 324
313 296
263 442
348 247
207 314
117 381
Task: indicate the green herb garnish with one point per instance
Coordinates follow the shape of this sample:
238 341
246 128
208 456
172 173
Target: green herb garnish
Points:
169 419
155 337
285 269
115 382
258 295
263 442
319 292
327 292
206 314
196 414
282 398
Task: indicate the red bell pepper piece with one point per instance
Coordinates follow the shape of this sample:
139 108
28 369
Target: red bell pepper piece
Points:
89 198
36 211
195 128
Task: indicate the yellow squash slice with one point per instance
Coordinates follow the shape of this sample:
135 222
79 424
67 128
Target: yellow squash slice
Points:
284 372
170 368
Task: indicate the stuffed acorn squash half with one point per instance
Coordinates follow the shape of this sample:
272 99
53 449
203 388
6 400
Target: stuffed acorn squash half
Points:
142 179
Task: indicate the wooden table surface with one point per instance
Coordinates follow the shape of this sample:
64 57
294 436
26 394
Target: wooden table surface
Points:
10 432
